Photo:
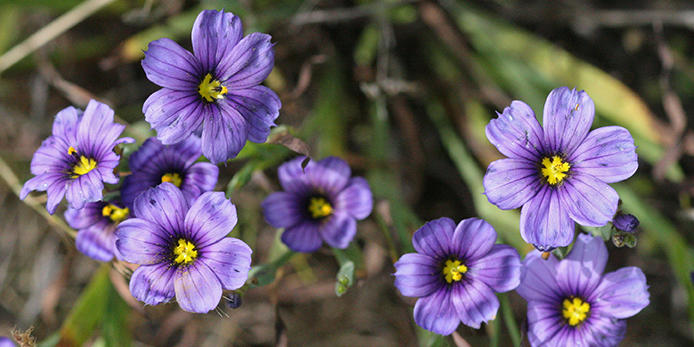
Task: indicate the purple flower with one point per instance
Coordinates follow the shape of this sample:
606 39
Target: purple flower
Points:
155 163
6 342
455 273
319 203
570 302
183 250
78 158
626 222
559 172
96 223
216 90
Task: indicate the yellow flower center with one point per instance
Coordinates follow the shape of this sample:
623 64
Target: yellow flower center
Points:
319 207
575 310
185 252
211 89
116 213
555 170
83 166
454 270
172 177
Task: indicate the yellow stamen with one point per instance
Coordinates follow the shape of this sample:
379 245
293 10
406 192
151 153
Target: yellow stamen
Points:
575 310
185 252
116 213
83 166
554 170
319 207
71 150
454 270
173 178
211 90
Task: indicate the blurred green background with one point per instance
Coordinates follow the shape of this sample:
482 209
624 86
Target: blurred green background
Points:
402 90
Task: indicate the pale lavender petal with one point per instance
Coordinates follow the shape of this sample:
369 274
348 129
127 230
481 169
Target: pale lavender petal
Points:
214 35
338 230
153 284
417 275
474 302
303 237
57 188
500 269
473 238
210 218
259 106
608 153
510 183
248 63
51 157
516 133
291 175
283 210
230 260
170 66
163 205
588 201
66 123
538 279
197 288
224 133
97 241
84 189
545 222
356 198
576 279
164 108
590 252
330 175
566 120
622 293
434 238
436 312
142 242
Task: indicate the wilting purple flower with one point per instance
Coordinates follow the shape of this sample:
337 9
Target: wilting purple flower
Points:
570 302
78 158
216 90
154 163
182 249
96 224
558 172
455 273
625 222
319 203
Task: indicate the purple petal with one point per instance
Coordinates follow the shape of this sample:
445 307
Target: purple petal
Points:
163 205
153 284
230 260
538 278
545 221
282 210
303 237
142 242
576 279
500 269
474 302
622 293
356 198
473 238
224 133
590 252
170 66
417 275
167 107
589 201
292 176
516 132
54 184
97 133
259 106
97 241
197 288
189 120
599 330
214 35
143 156
608 153
330 175
51 157
567 118
84 189
545 324
66 123
133 186
85 217
210 218
436 312
434 238
338 230
510 183
248 63
199 178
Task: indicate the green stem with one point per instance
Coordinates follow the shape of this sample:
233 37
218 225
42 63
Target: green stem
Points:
510 321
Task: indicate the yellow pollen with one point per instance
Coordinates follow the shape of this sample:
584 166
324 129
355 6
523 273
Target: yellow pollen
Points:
185 252
83 166
554 170
575 310
173 178
319 207
211 90
116 213
454 270
71 150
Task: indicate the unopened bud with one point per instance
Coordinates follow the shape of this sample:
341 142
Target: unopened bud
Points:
625 222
